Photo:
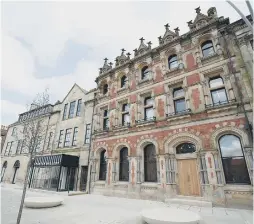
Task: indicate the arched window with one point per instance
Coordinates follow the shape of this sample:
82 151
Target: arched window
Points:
3 170
218 91
15 166
124 165
233 160
207 48
105 89
123 81
150 166
103 166
14 131
172 61
185 148
179 100
145 72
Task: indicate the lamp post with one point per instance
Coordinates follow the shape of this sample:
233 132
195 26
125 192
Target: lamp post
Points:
241 14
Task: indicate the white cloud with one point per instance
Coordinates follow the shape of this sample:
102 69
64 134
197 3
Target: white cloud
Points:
105 27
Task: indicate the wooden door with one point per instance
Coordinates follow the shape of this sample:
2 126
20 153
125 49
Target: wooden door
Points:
188 177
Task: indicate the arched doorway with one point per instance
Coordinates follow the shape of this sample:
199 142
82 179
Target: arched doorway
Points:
150 164
188 177
3 170
16 167
103 165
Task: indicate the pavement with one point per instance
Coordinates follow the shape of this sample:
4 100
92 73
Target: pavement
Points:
97 209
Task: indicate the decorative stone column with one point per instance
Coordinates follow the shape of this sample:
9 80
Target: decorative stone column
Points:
229 87
249 160
114 171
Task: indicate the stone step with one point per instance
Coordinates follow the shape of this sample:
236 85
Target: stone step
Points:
189 201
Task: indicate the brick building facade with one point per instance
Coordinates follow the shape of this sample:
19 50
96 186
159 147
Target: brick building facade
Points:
175 120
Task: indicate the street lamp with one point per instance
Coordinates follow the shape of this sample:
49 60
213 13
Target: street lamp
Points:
242 15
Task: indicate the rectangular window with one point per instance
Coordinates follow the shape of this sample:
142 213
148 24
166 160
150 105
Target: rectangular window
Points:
65 111
67 139
49 139
125 115
14 131
72 109
23 146
219 96
19 145
179 100
148 108
75 136
78 113
6 149
179 105
88 134
105 120
60 141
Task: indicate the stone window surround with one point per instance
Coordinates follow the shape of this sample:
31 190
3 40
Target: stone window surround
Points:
169 87
140 103
205 77
118 113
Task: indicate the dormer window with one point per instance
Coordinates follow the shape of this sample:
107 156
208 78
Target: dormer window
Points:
172 62
145 72
123 81
207 48
105 89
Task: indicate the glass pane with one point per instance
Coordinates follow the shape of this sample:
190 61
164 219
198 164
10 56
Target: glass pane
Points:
185 148
207 44
230 146
124 165
150 163
105 113
235 170
145 72
178 92
172 58
215 82
173 64
103 166
148 101
149 113
219 96
126 118
126 107
208 51
179 105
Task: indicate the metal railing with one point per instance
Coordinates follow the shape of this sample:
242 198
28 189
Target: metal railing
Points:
182 112
220 103
145 120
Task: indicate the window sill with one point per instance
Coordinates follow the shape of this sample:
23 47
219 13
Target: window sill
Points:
122 90
149 185
179 115
174 71
145 121
231 104
238 187
121 127
210 58
145 81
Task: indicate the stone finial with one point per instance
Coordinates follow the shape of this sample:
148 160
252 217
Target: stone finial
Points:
135 50
190 23
123 50
105 59
167 26
100 70
160 38
110 64
141 40
177 31
149 44
198 10
128 55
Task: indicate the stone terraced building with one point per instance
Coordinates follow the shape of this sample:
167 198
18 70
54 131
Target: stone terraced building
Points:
176 120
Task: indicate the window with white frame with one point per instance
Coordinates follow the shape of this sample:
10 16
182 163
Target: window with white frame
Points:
72 109
75 136
148 108
179 100
78 113
67 139
88 133
125 114
60 140
218 91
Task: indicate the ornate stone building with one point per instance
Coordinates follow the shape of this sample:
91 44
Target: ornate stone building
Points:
175 120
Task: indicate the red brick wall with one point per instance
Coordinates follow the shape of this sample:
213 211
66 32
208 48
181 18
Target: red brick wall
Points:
158 90
193 79
196 98
158 74
133 98
161 106
190 61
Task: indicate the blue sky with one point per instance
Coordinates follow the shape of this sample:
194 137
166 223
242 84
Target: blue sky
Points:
55 44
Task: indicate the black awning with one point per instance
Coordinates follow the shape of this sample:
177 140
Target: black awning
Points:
56 160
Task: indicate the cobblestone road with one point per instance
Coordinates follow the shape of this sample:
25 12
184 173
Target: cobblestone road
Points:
95 209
